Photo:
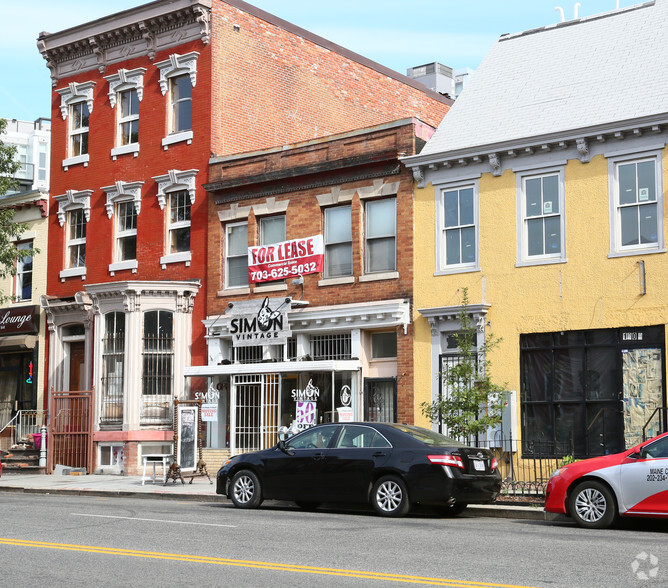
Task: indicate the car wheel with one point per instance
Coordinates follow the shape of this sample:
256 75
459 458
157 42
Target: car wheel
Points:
592 505
451 510
307 505
389 497
246 491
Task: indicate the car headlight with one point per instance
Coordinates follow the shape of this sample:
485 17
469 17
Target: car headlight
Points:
557 472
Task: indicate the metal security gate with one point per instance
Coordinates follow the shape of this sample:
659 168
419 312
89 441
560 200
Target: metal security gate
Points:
70 438
255 412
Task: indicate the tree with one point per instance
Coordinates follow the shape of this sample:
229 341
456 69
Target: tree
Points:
10 231
470 403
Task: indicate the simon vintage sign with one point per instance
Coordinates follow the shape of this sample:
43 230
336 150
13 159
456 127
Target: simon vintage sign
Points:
265 327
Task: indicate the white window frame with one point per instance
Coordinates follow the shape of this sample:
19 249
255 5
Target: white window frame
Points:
178 225
70 96
67 203
78 132
21 272
229 286
76 242
616 248
124 81
124 233
523 257
391 271
326 275
441 267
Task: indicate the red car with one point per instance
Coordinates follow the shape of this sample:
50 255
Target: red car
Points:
595 491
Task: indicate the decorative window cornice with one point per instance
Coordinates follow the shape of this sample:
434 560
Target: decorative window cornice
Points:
177 65
122 191
379 188
72 200
270 206
235 212
75 92
126 79
336 196
173 181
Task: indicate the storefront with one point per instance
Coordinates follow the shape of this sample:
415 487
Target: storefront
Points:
309 366
19 328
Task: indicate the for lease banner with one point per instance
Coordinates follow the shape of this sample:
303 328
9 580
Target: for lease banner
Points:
287 259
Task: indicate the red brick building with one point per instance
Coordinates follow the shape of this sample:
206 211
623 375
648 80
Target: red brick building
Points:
141 101
344 348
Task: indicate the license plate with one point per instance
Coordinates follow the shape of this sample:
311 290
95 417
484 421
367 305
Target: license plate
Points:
478 465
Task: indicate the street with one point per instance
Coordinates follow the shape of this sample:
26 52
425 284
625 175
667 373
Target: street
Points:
60 540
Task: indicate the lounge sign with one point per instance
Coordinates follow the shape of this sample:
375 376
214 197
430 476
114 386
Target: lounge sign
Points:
19 320
285 259
266 327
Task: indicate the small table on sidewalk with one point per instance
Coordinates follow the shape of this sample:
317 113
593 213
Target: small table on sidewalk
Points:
156 458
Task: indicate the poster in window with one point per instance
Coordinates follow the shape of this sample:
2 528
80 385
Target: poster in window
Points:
187 442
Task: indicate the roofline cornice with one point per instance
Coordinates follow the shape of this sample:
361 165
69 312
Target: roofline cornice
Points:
493 152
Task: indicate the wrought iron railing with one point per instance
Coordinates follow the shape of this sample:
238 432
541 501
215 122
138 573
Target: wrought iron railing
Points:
23 424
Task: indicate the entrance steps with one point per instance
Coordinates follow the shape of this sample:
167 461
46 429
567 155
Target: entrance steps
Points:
21 459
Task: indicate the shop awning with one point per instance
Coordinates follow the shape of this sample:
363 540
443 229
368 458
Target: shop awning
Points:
277 367
17 342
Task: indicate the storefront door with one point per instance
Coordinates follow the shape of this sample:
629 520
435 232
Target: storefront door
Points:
255 412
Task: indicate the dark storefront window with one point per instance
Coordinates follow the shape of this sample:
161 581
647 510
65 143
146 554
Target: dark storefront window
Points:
590 393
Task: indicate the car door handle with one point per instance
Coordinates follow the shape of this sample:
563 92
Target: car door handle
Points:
319 456
379 454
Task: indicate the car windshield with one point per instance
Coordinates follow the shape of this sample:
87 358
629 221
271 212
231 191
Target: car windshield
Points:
428 437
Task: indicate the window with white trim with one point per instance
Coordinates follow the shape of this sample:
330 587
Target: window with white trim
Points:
541 217
381 236
128 117
76 241
23 280
271 230
236 255
181 104
458 228
78 129
179 222
126 231
338 236
636 223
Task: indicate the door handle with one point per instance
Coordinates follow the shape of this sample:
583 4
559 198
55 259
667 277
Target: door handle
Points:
379 454
319 456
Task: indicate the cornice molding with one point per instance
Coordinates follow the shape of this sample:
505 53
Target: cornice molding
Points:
122 191
74 92
173 181
126 79
71 200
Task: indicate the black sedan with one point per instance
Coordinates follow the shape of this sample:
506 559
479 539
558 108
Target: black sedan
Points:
390 466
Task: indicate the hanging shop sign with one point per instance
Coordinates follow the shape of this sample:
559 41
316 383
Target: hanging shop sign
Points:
288 259
19 320
266 327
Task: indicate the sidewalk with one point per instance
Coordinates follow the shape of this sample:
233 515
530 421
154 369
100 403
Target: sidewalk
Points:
200 490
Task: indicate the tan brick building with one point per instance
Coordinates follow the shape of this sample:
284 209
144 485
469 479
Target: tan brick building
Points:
344 347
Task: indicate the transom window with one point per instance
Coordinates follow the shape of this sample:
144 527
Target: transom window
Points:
637 224
128 117
236 255
126 231
381 235
78 120
181 95
179 222
76 242
458 228
338 242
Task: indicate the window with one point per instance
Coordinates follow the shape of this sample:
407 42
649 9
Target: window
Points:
179 222
540 204
126 231
318 438
338 242
113 354
236 255
381 236
128 117
272 230
383 345
458 229
42 165
23 288
157 369
78 139
180 96
637 223
76 242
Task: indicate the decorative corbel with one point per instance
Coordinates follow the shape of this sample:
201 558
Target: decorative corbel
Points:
149 37
495 164
583 150
418 176
203 17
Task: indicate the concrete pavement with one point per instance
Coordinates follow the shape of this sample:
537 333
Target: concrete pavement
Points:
200 490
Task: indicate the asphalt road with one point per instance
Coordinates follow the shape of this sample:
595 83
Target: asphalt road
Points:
50 540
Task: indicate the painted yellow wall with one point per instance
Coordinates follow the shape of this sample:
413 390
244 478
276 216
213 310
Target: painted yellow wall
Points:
589 291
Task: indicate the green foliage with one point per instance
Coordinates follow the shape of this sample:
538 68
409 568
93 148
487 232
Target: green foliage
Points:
10 230
566 460
472 402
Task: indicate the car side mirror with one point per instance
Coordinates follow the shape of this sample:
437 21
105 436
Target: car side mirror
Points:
643 453
283 446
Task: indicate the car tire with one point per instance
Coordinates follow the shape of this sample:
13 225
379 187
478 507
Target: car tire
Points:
389 497
592 505
307 505
246 490
451 510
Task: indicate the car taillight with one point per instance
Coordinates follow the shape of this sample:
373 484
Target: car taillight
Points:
446 460
494 465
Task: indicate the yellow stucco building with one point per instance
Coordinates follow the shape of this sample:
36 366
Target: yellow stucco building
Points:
543 193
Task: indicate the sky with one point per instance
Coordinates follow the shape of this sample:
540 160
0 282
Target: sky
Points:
395 33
